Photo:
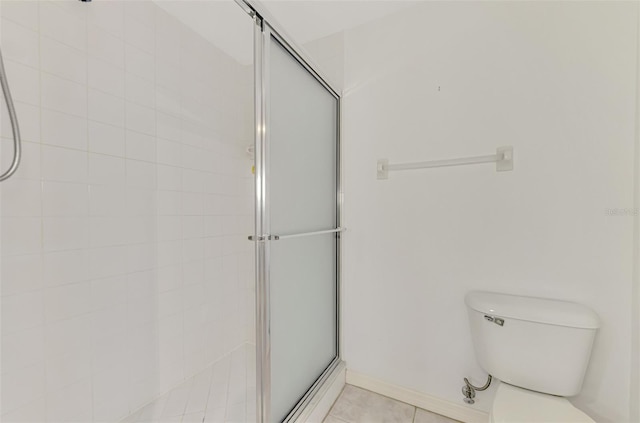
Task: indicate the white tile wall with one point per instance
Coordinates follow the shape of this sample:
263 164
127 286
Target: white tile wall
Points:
124 265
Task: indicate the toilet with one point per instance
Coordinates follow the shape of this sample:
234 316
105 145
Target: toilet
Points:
538 348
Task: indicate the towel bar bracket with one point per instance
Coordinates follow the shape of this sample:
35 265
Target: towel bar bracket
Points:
505 163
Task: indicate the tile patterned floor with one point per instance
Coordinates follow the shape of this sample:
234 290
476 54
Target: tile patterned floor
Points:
223 393
356 405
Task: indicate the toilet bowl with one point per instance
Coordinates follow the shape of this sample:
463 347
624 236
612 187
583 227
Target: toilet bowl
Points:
517 405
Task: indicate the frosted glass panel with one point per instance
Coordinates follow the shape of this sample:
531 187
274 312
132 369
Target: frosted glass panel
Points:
302 148
303 316
301 182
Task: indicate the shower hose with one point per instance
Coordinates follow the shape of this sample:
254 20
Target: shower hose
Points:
17 148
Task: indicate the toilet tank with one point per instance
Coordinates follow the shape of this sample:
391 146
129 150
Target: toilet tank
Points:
539 344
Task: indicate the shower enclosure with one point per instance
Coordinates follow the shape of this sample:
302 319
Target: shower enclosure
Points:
129 290
297 227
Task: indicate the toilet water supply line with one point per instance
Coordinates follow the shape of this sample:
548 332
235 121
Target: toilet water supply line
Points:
17 145
469 390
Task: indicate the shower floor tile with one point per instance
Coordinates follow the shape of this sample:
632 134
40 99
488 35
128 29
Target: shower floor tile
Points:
356 405
222 393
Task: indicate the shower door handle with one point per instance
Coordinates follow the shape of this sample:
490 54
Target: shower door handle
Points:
302 234
298 235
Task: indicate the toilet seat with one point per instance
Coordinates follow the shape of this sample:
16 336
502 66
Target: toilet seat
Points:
517 405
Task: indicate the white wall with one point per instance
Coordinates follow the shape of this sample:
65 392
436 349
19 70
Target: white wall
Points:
327 54
451 79
125 265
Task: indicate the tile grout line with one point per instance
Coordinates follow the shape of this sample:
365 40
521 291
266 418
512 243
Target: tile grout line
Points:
87 206
45 324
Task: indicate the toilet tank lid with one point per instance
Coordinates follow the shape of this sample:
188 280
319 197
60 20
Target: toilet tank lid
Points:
539 310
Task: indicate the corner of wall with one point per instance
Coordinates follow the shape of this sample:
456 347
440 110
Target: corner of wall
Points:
327 54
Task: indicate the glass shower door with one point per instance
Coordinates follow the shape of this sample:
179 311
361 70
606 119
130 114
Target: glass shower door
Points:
300 223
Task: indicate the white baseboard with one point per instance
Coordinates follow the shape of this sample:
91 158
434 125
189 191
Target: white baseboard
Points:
318 409
418 399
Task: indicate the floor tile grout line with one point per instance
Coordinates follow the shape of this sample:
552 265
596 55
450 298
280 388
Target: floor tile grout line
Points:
206 405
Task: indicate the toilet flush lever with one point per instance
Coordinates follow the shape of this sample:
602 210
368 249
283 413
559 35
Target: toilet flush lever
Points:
498 321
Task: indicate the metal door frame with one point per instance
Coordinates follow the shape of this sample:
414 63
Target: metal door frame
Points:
264 31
